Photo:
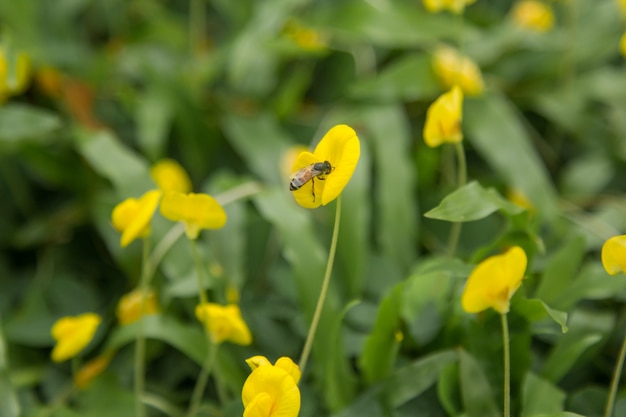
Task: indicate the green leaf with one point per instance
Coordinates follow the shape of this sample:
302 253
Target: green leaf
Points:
9 404
472 202
414 379
536 310
189 339
540 396
476 392
565 355
119 164
20 122
153 114
408 78
560 271
497 133
381 346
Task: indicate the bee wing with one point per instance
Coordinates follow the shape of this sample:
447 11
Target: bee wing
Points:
304 159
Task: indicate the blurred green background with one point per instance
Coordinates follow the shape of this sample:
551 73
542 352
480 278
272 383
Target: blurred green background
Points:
226 88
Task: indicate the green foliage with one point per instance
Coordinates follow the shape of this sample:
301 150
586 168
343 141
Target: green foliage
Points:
227 88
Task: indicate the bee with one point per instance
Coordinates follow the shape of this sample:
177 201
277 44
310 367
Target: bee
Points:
308 173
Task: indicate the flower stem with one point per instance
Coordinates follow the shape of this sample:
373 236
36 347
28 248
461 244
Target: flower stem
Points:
322 297
455 231
507 366
207 366
140 347
608 412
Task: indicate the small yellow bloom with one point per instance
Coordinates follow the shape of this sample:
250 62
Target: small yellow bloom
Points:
622 45
73 334
306 38
272 390
443 119
494 281
455 6
452 68
340 146
197 211
533 15
130 306
170 176
614 255
13 81
132 217
92 369
224 323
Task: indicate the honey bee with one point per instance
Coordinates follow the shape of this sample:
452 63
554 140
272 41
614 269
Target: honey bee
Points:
308 173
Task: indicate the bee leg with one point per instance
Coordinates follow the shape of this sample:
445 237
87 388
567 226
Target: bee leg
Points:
313 188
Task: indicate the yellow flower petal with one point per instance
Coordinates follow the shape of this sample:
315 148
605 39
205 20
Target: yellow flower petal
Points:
256 361
270 391
451 67
132 217
14 81
443 119
197 211
614 255
455 6
623 45
342 149
73 334
170 176
533 15
494 281
224 323
129 308
89 371
290 367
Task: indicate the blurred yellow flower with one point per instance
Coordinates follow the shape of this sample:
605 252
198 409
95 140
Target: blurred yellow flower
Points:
305 37
224 323
533 15
494 281
132 217
443 119
271 390
73 334
196 211
517 197
92 369
452 68
169 175
455 6
622 6
614 255
129 307
341 149
622 45
13 81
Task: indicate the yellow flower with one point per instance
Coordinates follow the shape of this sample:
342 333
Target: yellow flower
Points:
89 371
340 147
73 334
533 15
224 323
132 217
614 255
306 38
622 45
455 6
494 281
170 176
443 119
453 68
271 390
197 211
129 307
14 80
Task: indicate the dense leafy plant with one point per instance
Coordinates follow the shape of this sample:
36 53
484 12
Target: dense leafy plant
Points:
483 129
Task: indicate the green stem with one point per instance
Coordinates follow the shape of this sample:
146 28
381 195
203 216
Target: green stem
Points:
322 297
140 347
608 412
507 366
455 231
207 366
